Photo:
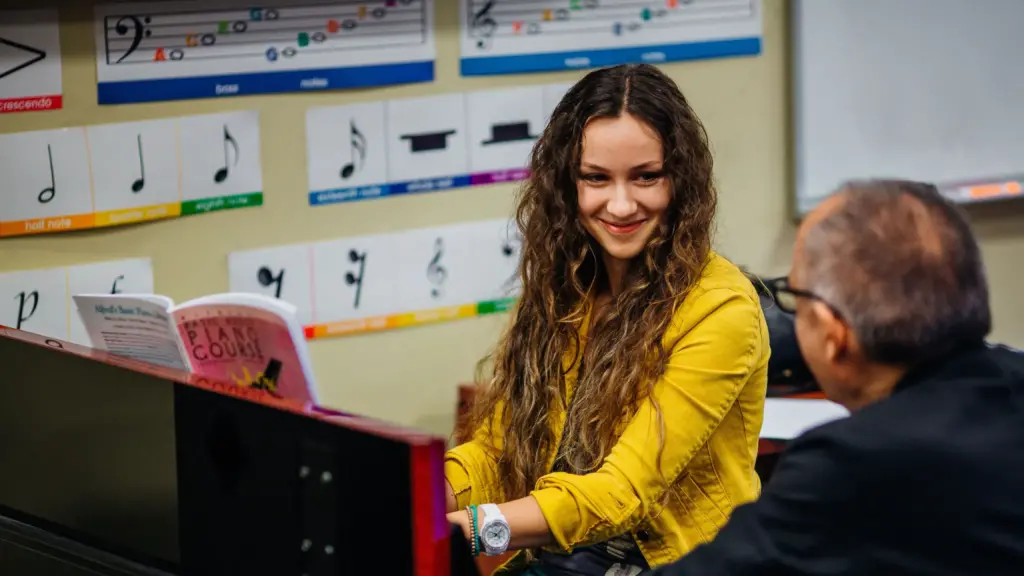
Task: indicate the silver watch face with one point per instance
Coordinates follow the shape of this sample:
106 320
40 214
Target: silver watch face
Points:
496 535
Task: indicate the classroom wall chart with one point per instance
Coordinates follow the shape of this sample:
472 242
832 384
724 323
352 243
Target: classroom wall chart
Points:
112 174
380 282
39 300
30 65
203 49
511 36
426 144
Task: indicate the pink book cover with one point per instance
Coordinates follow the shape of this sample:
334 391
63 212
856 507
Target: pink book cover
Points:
247 346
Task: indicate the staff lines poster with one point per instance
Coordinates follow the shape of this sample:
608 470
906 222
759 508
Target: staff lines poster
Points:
150 51
511 36
30 64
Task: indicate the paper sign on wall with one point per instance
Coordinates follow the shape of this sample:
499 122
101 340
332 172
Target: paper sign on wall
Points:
112 174
30 64
426 144
378 282
39 301
190 49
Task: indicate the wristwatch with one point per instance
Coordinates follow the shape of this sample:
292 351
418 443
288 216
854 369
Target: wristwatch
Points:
494 531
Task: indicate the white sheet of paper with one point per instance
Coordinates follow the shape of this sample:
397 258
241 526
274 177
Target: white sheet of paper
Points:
134 164
427 137
503 125
128 276
220 155
346 146
284 272
35 301
31 189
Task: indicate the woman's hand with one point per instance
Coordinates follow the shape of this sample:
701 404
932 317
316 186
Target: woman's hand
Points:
528 527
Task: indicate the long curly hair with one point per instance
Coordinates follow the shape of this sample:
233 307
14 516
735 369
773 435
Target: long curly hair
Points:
561 271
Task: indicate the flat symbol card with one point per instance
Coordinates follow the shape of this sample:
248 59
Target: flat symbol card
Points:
148 51
511 36
113 174
30 63
384 281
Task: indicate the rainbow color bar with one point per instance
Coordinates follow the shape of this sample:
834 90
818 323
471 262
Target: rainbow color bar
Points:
407 319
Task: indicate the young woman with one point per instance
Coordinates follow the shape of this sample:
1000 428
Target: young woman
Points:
619 422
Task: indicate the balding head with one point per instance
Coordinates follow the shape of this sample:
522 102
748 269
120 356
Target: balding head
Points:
900 264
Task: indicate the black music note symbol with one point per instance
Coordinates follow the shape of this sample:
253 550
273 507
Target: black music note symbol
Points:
357 144
224 172
265 276
484 25
22 298
140 183
356 279
436 273
47 194
138 30
114 289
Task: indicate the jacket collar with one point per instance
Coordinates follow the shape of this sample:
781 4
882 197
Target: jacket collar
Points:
968 361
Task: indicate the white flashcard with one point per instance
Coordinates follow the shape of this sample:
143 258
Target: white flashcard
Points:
498 255
437 268
284 272
346 146
503 125
220 155
35 301
30 65
354 278
553 94
134 164
427 137
128 276
46 174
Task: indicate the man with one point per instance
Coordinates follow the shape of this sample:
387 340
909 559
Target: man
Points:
927 474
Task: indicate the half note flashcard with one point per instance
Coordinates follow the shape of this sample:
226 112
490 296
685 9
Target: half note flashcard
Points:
35 301
30 63
129 276
503 126
135 171
220 161
347 152
515 37
145 53
46 182
427 138
284 272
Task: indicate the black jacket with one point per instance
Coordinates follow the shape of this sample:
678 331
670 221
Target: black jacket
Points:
927 482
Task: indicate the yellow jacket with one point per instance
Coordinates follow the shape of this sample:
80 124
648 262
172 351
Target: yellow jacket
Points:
712 398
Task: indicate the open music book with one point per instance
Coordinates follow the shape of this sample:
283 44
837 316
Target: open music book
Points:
246 339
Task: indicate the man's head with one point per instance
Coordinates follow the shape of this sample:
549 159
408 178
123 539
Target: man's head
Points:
888 275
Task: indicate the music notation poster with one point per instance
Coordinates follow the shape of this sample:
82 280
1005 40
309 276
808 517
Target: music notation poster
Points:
426 144
384 281
30 64
151 51
511 36
114 174
39 300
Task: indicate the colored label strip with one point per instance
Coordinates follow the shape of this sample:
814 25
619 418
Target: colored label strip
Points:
31 104
334 196
420 318
128 215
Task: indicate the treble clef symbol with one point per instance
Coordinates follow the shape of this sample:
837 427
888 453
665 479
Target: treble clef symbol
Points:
484 25
436 273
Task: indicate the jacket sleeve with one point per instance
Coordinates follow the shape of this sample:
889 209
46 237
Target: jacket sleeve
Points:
472 467
802 524
721 346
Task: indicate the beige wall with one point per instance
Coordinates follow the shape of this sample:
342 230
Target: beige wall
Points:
409 376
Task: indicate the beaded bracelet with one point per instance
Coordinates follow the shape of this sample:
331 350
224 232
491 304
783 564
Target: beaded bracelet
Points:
471 512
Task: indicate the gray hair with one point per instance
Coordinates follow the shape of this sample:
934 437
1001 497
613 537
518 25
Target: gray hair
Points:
900 263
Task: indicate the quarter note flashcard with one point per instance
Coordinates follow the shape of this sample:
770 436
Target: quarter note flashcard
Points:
427 138
30 62
129 276
220 161
283 272
46 182
35 301
503 126
346 151
135 169
355 278
507 37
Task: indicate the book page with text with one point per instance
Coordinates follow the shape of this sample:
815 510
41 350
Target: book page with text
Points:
137 327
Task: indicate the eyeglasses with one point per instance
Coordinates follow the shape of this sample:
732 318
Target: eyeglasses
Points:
786 296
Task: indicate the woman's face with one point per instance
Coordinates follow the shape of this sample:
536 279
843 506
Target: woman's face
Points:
622 190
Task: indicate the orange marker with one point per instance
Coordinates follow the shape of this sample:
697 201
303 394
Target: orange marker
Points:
672 3
159 56
190 40
517 26
547 14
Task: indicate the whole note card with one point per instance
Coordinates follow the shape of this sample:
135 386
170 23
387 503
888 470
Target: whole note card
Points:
148 51
518 37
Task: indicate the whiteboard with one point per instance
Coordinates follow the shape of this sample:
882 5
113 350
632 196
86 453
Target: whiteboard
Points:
923 89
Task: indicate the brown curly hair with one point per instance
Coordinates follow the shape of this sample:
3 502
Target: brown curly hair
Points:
561 271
